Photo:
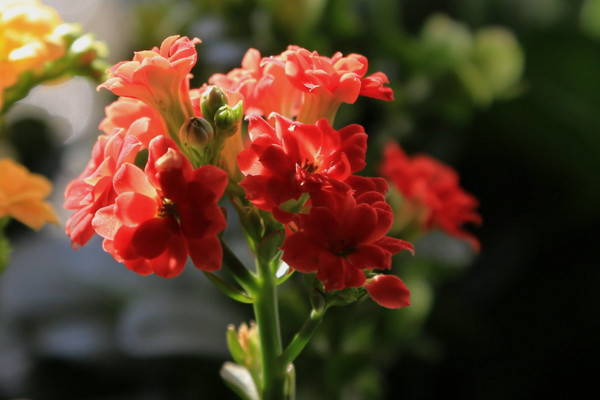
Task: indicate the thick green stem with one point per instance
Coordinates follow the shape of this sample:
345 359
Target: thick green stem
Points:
267 318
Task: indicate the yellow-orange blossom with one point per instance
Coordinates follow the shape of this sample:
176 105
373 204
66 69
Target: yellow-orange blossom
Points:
22 195
29 37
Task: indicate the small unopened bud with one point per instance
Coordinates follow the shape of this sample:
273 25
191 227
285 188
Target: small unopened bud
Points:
227 119
196 132
212 100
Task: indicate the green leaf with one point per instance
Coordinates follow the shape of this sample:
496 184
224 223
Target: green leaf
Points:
230 290
239 380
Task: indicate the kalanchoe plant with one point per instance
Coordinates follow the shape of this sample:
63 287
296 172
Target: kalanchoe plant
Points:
169 154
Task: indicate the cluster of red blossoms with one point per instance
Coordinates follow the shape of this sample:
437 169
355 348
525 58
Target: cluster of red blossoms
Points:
432 196
152 186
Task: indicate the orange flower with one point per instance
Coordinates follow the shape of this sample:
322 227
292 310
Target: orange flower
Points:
22 195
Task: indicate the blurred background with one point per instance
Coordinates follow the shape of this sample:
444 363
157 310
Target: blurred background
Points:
505 91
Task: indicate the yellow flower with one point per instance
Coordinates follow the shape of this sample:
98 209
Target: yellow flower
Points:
22 195
28 38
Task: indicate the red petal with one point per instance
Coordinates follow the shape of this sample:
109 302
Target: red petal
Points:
206 253
301 253
388 291
152 236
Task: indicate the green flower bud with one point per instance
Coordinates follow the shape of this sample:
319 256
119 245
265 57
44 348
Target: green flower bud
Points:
212 100
196 133
227 119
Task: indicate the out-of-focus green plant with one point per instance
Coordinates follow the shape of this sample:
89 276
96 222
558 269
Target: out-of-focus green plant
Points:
454 70
589 18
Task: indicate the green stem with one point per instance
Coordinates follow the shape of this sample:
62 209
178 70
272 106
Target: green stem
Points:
267 318
302 338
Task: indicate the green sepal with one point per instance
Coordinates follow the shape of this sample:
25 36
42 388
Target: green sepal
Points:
239 379
230 290
233 344
345 296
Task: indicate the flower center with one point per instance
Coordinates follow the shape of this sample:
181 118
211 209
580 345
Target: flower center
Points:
309 166
167 208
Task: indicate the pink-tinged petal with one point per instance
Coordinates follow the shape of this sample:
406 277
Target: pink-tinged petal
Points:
348 89
130 178
206 253
79 227
388 291
106 223
129 149
134 208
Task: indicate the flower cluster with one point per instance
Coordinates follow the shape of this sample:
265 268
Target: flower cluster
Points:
431 194
152 186
152 217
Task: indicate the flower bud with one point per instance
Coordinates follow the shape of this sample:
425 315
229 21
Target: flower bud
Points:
196 132
212 100
388 291
228 119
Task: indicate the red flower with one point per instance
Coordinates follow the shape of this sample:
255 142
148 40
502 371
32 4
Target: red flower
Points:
93 188
282 160
388 291
434 190
341 236
165 213
159 77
